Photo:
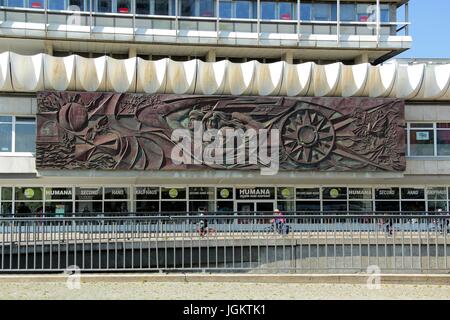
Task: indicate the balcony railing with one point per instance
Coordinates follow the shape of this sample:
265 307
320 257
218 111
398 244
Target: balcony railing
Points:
150 28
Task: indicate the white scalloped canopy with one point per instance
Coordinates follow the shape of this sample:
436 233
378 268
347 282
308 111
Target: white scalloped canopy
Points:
20 73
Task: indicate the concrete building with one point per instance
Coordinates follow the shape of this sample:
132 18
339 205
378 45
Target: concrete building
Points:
88 88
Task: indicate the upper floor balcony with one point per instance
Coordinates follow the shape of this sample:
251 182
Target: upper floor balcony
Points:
379 27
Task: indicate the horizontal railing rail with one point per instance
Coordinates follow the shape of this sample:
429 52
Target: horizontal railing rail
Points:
227 243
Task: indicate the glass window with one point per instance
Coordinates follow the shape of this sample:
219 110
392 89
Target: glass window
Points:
173 193
116 193
268 10
307 206
5 137
29 207
162 7
421 142
387 194
36 4
308 193
147 206
334 193
58 193
305 11
207 8
56 5
363 12
199 193
360 193
387 206
385 13
187 8
15 3
243 9
360 206
143 7
123 6
334 206
28 193
147 193
225 9
89 194
443 142
89 207
285 193
7 193
77 5
437 193
434 206
413 206
104 6
286 11
116 206
25 135
173 207
348 12
333 12
413 193
224 193
6 208
59 208
321 11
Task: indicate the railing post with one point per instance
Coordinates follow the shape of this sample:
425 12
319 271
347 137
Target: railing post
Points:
378 22
298 21
217 19
258 18
407 18
176 20
338 21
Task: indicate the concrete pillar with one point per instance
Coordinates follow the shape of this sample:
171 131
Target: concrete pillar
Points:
211 56
132 52
49 49
288 57
363 58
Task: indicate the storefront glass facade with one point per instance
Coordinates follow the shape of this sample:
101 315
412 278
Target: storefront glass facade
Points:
181 199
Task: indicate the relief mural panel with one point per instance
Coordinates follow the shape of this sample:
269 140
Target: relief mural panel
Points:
134 131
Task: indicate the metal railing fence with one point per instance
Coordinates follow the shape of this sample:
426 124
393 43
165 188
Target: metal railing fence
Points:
261 243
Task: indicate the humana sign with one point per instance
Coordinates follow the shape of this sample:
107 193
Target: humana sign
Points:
227 146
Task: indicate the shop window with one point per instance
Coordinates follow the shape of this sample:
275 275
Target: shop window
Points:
6 208
17 134
115 200
335 206
87 207
360 206
436 206
285 193
360 193
307 207
29 208
59 208
413 206
89 200
413 193
307 193
224 194
387 206
363 12
334 193
173 207
147 206
443 139
28 194
387 194
421 139
173 193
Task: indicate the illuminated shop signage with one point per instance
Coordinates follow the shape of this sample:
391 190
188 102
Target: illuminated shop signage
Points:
255 193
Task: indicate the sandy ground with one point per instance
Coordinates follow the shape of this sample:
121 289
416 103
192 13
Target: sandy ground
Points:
216 291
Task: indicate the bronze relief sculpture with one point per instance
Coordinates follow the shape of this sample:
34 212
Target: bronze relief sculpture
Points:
112 131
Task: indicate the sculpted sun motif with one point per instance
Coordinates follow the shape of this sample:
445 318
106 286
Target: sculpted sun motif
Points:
308 136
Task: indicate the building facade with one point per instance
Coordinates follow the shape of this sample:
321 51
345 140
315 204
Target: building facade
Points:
93 92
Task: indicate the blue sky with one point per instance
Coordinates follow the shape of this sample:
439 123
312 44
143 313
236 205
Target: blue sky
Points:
430 29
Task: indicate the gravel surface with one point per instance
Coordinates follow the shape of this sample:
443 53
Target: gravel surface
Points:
216 291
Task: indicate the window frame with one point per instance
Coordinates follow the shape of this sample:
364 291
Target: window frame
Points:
13 137
435 130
